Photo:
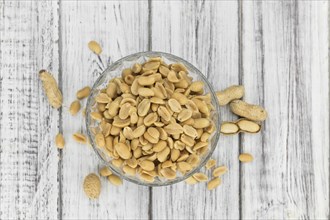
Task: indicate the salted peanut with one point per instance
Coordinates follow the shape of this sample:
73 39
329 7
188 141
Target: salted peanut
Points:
245 157
202 106
190 131
191 180
135 143
120 123
128 133
123 150
115 180
164 113
174 105
129 79
162 156
80 138
179 145
134 118
170 142
184 115
105 128
117 162
205 136
147 165
192 106
167 163
210 163
136 68
159 91
139 131
211 128
135 86
156 100
168 173
109 143
229 128
201 123
101 107
146 80
214 183
95 47
182 84
248 126
154 107
92 186
152 65
143 141
153 132
199 145
184 166
229 94
177 67
190 121
200 177
172 77
102 98
99 139
129 170
162 133
163 70
83 93
59 141
124 111
147 147
145 92
187 140
197 86
183 157
182 99
122 139
97 116
147 177
137 153
249 111
158 147
132 162
113 108
193 160
126 72
111 90
143 107
75 107
173 128
150 119
219 171
128 100
105 171
150 138
153 156
115 130
51 89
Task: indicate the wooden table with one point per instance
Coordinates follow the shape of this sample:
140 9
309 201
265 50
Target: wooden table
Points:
279 50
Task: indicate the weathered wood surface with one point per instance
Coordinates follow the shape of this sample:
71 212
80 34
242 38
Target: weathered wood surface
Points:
277 49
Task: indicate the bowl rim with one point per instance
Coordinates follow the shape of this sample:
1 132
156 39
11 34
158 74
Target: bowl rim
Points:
217 111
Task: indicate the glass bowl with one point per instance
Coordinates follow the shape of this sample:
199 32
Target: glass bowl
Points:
115 70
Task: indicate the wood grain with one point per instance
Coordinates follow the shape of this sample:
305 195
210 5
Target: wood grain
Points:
28 157
285 68
207 36
116 27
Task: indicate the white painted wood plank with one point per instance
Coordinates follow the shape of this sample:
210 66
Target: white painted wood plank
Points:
121 28
206 34
285 68
28 158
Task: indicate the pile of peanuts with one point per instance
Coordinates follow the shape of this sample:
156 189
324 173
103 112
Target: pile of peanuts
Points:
154 120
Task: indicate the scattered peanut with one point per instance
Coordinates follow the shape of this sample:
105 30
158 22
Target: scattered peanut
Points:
59 141
242 125
115 180
210 163
212 184
75 107
219 171
80 138
52 91
245 157
92 186
83 93
105 171
95 47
